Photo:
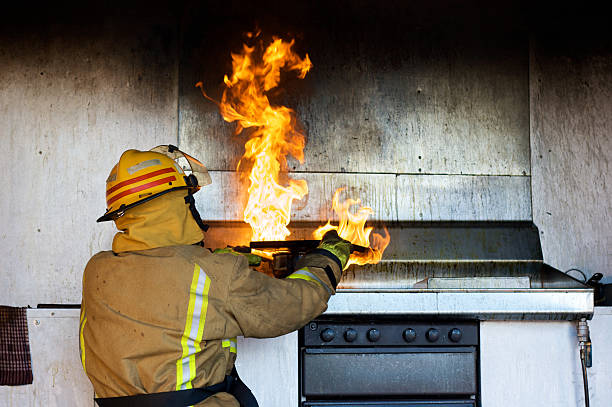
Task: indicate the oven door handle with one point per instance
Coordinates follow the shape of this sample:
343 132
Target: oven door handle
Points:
399 349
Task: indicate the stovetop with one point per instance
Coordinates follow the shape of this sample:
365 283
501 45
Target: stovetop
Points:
467 270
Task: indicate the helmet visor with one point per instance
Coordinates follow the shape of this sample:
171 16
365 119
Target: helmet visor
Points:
189 164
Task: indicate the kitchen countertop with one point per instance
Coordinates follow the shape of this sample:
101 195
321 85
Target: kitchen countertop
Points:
483 304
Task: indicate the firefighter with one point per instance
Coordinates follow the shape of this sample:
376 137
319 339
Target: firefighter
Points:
160 314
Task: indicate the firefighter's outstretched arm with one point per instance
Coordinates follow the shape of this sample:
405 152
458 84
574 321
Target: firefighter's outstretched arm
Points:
263 306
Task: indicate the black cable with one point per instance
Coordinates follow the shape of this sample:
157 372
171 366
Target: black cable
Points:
578 270
584 378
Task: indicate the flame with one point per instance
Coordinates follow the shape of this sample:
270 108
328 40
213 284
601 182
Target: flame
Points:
352 228
273 133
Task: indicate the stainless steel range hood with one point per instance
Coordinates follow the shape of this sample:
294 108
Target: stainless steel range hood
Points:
473 270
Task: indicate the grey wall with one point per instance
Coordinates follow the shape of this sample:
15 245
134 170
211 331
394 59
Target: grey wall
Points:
73 96
423 112
571 146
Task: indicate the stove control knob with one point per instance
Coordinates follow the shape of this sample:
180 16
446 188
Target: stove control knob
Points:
350 335
373 335
409 334
328 335
455 334
432 335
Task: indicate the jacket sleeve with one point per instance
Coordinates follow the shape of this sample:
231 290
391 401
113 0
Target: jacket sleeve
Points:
264 306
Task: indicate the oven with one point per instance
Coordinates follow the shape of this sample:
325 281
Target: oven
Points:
371 361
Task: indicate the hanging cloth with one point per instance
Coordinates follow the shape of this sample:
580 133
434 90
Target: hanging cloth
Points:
15 360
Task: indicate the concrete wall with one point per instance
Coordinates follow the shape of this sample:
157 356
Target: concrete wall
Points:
73 96
58 376
424 119
537 364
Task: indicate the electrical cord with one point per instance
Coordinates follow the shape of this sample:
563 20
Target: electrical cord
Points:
578 270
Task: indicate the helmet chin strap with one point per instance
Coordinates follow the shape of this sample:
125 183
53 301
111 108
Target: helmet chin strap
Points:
194 212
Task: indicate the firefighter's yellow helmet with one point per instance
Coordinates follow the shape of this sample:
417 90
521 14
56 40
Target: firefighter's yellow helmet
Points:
140 176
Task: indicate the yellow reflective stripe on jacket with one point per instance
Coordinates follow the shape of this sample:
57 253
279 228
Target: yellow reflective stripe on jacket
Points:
194 328
305 274
230 343
82 323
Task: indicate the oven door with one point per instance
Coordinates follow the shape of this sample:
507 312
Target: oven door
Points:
413 403
388 372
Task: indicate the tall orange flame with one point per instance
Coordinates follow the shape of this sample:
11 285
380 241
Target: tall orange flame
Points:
352 228
274 134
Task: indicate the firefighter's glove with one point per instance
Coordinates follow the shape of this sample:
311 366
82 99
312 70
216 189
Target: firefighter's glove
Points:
337 246
254 260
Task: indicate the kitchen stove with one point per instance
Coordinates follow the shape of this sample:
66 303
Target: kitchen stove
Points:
376 362
405 331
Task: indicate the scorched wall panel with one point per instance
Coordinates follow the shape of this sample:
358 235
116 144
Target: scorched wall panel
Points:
392 197
571 110
389 92
73 96
420 110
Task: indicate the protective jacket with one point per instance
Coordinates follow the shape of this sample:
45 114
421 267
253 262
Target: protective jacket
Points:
162 314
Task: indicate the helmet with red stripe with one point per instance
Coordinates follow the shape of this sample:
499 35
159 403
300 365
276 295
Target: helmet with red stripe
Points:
140 176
